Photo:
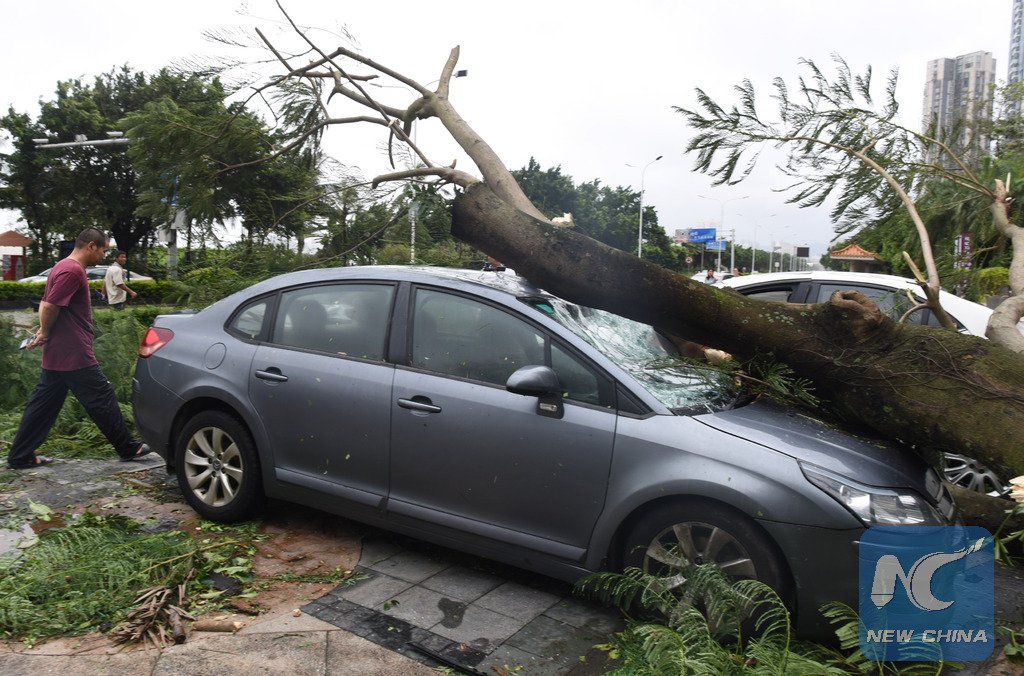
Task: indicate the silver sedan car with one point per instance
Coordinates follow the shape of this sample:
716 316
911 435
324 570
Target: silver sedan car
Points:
479 412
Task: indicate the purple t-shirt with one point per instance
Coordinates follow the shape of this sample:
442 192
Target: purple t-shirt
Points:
69 347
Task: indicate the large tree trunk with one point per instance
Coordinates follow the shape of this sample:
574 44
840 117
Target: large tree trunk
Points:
935 389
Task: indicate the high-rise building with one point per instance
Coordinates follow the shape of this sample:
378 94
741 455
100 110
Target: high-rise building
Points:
958 92
1015 70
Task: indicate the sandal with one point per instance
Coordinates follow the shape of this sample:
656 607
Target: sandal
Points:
142 451
41 460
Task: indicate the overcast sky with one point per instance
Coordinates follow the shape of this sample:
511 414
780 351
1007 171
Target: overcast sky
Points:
586 85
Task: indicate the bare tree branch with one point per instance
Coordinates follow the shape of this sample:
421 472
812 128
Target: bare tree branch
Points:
449 174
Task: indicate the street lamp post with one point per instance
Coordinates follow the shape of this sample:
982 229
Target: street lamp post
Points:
721 226
753 246
640 232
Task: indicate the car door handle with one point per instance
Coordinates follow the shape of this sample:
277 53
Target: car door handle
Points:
419 404
272 374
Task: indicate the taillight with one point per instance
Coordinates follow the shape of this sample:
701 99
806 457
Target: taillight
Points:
154 339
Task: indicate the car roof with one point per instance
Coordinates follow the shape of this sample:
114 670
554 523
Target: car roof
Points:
823 276
499 281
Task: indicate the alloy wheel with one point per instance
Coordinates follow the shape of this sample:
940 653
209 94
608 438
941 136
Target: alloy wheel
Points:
967 472
696 543
213 466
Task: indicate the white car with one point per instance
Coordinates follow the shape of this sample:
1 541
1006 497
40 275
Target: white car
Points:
888 291
890 294
94 273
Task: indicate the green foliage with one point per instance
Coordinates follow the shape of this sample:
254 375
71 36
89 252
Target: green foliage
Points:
988 282
394 254
761 376
1014 648
452 255
216 162
20 369
823 126
699 628
846 150
86 574
208 285
158 291
21 293
609 215
25 294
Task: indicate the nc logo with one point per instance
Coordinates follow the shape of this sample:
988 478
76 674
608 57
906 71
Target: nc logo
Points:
918 580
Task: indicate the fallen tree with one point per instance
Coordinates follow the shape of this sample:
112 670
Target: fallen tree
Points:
937 390
933 389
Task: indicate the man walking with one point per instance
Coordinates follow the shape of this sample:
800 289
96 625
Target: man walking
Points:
65 334
114 285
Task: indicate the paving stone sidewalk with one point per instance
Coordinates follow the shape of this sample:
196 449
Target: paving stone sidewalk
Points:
438 606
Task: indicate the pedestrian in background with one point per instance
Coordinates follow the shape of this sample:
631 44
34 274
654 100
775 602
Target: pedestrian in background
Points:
65 334
114 285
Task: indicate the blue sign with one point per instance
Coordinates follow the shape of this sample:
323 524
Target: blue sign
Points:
720 245
703 234
927 593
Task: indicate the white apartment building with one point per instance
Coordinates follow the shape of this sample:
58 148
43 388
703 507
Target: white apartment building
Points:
960 90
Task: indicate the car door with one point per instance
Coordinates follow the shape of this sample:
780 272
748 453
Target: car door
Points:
468 454
323 390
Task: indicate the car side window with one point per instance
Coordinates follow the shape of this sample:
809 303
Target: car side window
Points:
350 320
890 302
580 382
461 337
777 293
248 322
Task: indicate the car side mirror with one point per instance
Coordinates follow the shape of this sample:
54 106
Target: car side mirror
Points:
540 382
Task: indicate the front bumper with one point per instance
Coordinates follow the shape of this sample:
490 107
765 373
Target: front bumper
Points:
824 565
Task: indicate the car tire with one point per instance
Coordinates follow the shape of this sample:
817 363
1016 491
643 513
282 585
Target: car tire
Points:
218 468
704 532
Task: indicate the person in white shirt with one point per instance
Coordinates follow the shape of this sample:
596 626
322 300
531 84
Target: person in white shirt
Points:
114 286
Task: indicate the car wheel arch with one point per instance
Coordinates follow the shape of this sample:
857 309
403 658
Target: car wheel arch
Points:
613 552
197 405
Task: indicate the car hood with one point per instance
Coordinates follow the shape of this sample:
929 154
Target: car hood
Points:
799 435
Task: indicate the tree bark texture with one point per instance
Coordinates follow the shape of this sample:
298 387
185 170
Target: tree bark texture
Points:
934 389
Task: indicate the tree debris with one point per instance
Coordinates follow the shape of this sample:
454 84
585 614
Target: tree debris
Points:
156 609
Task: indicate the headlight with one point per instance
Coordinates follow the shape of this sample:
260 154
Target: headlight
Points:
872 505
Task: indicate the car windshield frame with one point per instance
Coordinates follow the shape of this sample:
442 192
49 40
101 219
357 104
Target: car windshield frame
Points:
649 357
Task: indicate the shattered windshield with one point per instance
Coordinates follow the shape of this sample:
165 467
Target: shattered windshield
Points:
646 355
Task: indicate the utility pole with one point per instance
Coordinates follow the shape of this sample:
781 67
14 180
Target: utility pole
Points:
414 210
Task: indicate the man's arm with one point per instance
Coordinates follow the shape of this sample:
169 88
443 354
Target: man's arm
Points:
124 286
48 313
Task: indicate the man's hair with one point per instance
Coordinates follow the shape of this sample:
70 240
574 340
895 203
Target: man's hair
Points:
90 235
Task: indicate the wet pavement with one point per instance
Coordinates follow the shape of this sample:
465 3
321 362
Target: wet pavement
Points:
436 605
